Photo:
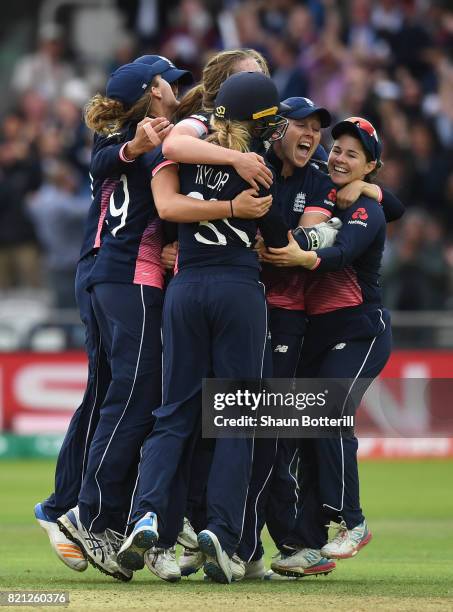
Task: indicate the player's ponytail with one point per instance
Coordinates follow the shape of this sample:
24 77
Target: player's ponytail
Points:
218 68
102 114
107 116
192 102
234 135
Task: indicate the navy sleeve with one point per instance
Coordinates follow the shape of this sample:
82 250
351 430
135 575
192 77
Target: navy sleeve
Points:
323 194
105 159
272 226
393 207
361 223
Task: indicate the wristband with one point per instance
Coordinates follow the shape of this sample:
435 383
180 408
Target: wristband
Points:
123 155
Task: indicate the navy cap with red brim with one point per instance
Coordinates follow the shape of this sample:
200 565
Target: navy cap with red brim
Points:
364 131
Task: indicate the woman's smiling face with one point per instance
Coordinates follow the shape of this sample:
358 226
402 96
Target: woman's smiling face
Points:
347 160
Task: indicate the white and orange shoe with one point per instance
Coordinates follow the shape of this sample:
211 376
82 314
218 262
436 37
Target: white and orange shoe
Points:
66 551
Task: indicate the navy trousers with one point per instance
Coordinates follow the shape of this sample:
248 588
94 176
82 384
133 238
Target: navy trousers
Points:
129 319
214 324
73 455
273 490
329 479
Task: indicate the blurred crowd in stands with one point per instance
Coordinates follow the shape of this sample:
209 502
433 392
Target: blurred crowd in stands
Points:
388 60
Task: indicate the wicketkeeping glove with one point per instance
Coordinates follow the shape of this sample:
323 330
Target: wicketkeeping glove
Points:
318 236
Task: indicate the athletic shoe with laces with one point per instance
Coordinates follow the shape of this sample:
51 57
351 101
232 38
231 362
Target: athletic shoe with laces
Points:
191 561
162 563
217 565
187 537
66 551
143 537
347 542
237 568
255 570
304 562
100 549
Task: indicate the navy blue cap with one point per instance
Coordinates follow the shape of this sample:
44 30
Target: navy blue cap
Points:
129 82
247 96
364 131
171 74
299 108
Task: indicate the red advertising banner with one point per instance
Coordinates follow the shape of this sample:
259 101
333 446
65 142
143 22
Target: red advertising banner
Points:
40 391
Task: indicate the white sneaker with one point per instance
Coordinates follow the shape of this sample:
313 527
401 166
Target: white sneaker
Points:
255 570
305 562
187 537
217 565
191 561
347 542
143 537
237 568
162 563
100 549
271 575
66 551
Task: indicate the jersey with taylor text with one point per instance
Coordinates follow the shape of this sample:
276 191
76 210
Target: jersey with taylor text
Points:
226 241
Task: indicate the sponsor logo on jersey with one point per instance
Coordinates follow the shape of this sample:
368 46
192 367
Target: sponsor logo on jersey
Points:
299 202
357 222
360 213
281 348
339 346
358 217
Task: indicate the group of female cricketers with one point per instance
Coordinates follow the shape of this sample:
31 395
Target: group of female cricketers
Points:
211 200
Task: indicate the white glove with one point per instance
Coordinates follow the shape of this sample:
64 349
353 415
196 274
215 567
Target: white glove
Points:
319 236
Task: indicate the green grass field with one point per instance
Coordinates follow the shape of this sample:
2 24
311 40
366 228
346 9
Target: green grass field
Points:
407 566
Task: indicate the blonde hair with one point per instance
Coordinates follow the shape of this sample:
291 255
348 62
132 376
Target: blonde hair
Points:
218 68
230 134
107 116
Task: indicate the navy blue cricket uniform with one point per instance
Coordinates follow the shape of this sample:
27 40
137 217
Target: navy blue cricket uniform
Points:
308 189
214 324
126 291
348 336
273 491
72 458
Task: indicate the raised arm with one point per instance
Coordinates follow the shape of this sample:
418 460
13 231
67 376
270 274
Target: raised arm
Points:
173 206
111 157
185 145
352 240
393 207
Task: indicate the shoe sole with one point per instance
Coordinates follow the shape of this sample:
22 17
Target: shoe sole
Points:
188 571
70 532
212 565
363 543
316 570
133 556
